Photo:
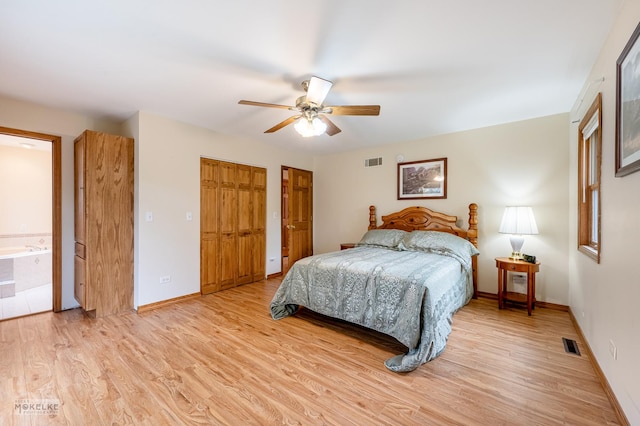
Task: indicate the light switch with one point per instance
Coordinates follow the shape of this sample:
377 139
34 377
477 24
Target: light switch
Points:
148 217
189 216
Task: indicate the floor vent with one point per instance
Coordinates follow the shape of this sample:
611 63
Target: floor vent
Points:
371 162
570 346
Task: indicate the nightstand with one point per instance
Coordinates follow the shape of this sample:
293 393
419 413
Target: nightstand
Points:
345 246
504 265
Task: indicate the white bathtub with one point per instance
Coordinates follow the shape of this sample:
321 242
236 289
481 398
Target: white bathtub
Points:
11 252
28 266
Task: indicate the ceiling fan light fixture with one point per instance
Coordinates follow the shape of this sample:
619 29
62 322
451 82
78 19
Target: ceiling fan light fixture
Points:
310 119
317 89
310 127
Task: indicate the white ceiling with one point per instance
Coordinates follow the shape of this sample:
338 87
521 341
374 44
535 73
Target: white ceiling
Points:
434 66
26 143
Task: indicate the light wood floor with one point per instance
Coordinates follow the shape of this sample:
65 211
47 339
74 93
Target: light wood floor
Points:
221 359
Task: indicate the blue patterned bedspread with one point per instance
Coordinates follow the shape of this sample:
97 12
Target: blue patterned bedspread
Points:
409 295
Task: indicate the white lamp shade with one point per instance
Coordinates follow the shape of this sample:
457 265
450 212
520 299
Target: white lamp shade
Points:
519 221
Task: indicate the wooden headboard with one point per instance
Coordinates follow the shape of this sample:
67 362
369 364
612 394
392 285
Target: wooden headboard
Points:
424 219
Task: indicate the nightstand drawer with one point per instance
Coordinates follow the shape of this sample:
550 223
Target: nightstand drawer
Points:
511 267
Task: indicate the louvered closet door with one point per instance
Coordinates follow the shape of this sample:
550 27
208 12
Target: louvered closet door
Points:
209 236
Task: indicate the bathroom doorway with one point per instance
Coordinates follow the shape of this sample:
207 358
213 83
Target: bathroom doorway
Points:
30 223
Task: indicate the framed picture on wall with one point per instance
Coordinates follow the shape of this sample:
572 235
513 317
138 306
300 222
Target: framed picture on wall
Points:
628 107
422 179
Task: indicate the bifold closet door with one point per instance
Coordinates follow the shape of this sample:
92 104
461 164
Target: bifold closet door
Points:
209 237
245 246
232 224
228 225
259 222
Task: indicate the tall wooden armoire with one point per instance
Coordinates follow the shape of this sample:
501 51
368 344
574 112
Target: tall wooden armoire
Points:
103 223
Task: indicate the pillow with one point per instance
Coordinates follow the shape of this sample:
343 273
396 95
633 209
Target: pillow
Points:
387 238
442 243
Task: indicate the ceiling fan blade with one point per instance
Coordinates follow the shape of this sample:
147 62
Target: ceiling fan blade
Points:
282 124
263 104
353 110
332 129
318 90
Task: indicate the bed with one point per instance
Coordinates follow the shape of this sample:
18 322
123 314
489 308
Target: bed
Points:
405 278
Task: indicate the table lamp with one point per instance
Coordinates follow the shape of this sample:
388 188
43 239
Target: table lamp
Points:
518 221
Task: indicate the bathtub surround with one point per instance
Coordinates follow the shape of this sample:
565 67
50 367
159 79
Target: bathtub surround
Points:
7 289
32 269
6 268
24 268
7 283
39 240
22 247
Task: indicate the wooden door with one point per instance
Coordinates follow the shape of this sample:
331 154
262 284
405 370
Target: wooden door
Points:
258 223
284 208
209 237
300 215
245 219
233 223
228 225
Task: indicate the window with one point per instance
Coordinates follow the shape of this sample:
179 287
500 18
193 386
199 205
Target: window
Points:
589 159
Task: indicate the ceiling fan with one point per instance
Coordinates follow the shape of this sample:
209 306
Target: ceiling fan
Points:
311 114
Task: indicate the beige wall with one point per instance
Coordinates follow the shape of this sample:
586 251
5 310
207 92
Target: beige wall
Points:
25 191
604 297
522 163
168 185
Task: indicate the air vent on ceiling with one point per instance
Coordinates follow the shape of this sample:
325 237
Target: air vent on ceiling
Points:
372 162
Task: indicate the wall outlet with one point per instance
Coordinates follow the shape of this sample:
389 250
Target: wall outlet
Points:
613 350
165 279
